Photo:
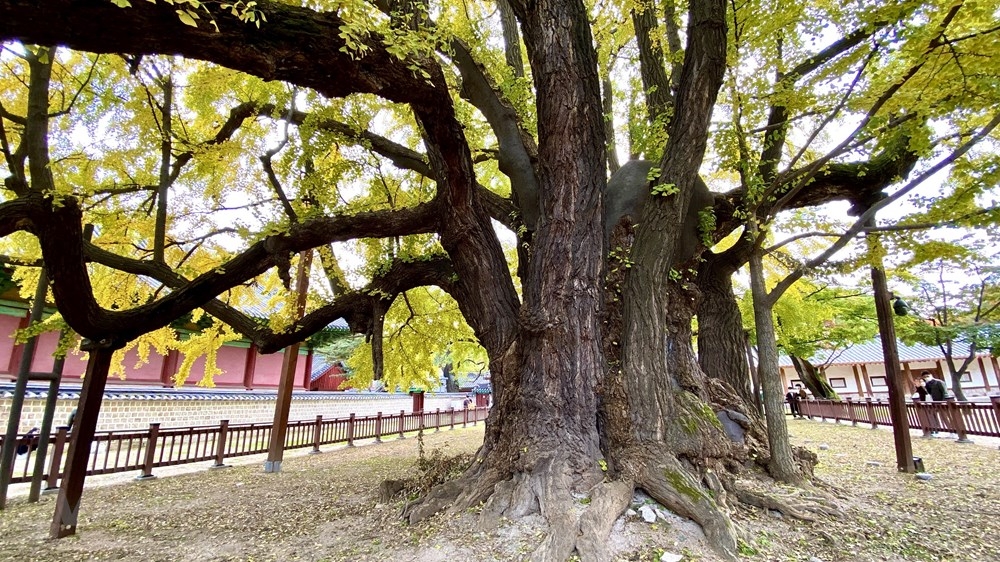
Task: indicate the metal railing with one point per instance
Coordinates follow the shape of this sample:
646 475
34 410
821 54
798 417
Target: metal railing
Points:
960 418
147 449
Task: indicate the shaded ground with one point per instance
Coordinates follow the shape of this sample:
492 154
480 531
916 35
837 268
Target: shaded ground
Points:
325 508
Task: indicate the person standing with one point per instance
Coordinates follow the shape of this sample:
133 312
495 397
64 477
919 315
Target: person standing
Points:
936 390
792 398
920 391
934 387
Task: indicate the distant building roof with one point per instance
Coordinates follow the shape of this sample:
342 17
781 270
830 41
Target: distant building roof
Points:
871 352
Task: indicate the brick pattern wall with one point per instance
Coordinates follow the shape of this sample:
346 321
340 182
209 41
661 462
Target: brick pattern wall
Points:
130 413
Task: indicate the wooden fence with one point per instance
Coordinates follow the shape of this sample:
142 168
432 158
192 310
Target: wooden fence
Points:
960 418
146 449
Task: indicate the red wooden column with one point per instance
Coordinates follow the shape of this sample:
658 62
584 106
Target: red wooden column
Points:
87 411
250 367
276 447
169 368
307 372
18 350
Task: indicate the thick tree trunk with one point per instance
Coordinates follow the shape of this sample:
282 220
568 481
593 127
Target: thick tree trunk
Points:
541 444
721 338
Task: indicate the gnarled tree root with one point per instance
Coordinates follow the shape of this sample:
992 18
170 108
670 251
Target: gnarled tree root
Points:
798 503
577 522
674 486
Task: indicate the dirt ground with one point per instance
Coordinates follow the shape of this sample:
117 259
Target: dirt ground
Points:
325 508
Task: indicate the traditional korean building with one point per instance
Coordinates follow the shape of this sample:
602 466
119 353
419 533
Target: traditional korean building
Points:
859 371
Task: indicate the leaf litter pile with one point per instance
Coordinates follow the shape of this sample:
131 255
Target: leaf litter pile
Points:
335 506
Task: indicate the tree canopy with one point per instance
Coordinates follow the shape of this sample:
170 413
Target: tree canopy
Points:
212 144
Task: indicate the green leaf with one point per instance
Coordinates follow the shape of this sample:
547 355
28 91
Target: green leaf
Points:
187 17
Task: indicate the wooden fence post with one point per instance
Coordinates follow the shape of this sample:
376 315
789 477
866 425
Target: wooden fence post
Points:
465 416
996 410
317 434
871 412
147 467
451 416
57 454
350 431
852 412
402 415
378 427
437 420
922 417
958 420
220 445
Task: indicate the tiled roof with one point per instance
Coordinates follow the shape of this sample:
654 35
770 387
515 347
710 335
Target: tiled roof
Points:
871 352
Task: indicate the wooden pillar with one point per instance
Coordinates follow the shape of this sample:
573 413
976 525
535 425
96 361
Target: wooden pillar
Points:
169 368
18 350
982 371
307 371
857 381
868 380
283 404
87 410
911 386
249 367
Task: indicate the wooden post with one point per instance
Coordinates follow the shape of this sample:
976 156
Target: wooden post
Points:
868 380
451 416
55 467
402 414
465 417
220 445
350 431
958 421
283 404
147 467
995 400
852 412
378 427
87 410
317 434
437 420
250 367
982 371
20 387
35 490
169 368
871 413
922 417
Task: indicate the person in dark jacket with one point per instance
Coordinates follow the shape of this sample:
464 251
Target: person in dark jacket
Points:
921 390
792 397
935 387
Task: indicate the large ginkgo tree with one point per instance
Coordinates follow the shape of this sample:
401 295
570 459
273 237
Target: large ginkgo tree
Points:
416 132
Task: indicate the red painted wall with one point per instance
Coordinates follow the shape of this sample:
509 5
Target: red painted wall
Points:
7 326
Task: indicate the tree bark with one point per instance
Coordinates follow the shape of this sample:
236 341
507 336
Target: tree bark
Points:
814 379
721 337
782 464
